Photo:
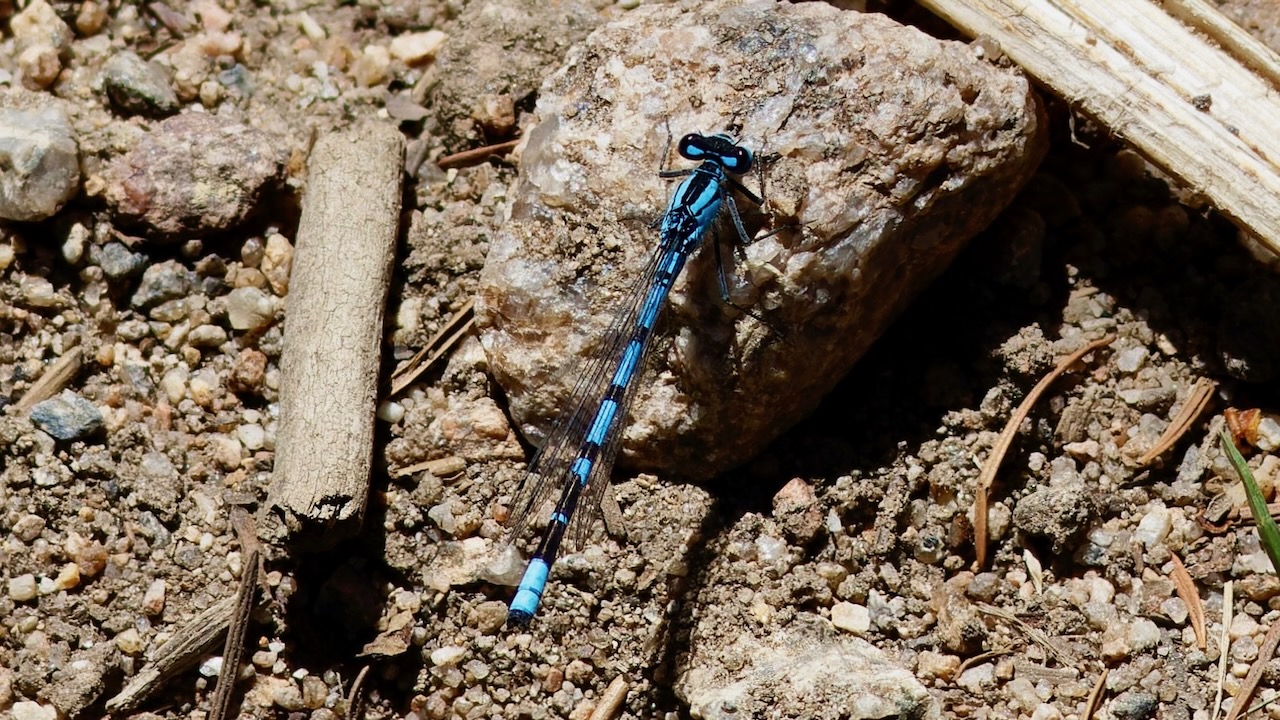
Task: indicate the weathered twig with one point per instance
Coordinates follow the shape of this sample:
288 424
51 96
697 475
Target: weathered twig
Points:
55 378
333 332
233 650
190 641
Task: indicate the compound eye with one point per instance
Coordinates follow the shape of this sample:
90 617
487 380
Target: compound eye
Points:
739 161
692 146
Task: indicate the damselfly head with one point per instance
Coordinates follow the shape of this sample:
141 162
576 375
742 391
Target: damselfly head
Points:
719 148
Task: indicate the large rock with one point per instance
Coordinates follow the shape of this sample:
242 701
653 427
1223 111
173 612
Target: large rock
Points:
883 150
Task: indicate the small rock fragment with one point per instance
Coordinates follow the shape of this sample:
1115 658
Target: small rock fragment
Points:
39 155
853 618
415 48
22 588
67 416
137 87
249 308
1060 514
27 710
161 283
795 508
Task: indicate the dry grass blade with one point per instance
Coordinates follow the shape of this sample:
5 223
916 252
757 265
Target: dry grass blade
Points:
1039 638
992 466
60 373
442 342
1186 589
1195 404
611 701
1250 684
475 156
1224 643
1095 695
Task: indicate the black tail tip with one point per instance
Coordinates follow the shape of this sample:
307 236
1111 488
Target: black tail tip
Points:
519 618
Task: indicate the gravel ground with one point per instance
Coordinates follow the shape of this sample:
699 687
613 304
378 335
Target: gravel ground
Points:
149 252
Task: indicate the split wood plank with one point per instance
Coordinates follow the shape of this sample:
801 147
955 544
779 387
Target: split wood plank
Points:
1188 93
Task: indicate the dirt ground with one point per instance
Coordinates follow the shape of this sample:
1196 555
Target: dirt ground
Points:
119 495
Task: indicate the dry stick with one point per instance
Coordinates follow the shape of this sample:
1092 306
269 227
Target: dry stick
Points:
355 698
333 332
1197 110
1250 684
1095 695
57 376
611 701
998 451
193 639
1186 589
475 156
233 650
1195 404
442 342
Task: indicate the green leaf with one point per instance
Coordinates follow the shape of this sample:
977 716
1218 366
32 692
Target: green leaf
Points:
1268 533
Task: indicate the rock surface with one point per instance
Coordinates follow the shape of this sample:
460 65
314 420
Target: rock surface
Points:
38 155
884 150
802 672
192 175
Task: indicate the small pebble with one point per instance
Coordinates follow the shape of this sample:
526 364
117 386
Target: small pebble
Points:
976 678
206 336
852 618
579 672
27 710
930 664
38 23
117 261
1143 634
1175 609
137 87
314 692
67 416
252 436
446 656
211 667
130 642
277 262
153 599
249 308
161 283
489 617
91 17
68 577
796 509
1154 526
373 67
22 588
1131 359
414 48
28 527
39 66
191 175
